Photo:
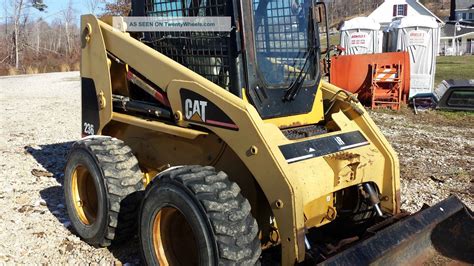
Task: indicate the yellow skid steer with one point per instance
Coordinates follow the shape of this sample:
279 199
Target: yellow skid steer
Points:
229 148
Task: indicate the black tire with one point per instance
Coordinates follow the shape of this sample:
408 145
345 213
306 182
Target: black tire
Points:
209 219
103 174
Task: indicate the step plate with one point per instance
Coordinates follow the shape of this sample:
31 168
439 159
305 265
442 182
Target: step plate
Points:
305 150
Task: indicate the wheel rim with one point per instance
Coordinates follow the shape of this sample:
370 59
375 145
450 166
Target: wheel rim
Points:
84 195
173 240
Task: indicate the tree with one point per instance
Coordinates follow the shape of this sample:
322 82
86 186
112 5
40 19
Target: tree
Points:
69 17
19 6
92 5
5 12
117 8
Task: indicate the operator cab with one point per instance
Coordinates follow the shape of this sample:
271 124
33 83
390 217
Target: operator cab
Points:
271 56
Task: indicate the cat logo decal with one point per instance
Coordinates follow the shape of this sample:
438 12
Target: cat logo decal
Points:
200 110
195 110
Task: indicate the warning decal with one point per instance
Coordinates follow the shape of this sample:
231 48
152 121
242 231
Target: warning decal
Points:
359 39
417 38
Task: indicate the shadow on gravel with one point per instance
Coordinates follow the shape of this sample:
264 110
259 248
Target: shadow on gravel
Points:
53 158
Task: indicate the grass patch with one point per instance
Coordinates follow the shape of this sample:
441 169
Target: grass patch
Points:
454 67
456 114
333 39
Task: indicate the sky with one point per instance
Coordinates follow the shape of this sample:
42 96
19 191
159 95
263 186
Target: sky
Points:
55 7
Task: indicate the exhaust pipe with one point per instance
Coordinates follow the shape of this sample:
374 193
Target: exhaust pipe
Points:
373 197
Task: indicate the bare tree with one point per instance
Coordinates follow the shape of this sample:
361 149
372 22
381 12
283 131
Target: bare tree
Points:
92 5
18 6
5 44
69 17
19 19
5 12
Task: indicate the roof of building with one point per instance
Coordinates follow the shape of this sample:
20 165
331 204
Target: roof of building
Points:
361 23
464 4
412 3
429 11
415 21
448 29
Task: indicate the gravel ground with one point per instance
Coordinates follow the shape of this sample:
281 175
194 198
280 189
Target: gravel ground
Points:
436 153
40 119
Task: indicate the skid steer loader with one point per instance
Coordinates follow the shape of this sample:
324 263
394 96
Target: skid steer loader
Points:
229 148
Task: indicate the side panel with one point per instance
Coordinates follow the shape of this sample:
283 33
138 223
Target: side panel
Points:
156 150
90 107
95 69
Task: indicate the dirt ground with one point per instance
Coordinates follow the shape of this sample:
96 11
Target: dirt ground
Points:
436 153
40 118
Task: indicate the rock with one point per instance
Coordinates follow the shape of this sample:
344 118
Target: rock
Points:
40 202
41 173
60 206
103 262
39 234
25 208
7 190
22 199
69 247
72 238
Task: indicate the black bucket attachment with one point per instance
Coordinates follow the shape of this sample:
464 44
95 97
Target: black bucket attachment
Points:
441 234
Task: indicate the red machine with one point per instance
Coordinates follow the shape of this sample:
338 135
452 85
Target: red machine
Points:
380 80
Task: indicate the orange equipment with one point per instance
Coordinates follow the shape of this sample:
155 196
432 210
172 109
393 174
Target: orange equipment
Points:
354 73
387 84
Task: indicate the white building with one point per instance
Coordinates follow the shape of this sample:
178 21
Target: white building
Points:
395 9
462 10
457 37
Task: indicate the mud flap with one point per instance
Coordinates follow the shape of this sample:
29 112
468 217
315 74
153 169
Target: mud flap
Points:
441 234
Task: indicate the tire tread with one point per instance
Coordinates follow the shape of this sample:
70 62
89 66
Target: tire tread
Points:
122 178
234 227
